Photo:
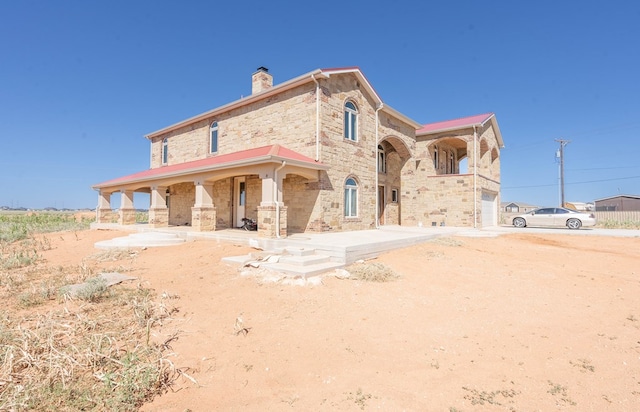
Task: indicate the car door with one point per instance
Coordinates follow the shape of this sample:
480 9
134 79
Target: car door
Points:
542 217
561 217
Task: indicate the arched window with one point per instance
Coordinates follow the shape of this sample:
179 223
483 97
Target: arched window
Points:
165 151
435 157
382 160
350 121
350 198
213 144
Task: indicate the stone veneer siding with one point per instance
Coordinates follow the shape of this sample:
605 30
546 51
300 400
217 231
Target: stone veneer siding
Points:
289 119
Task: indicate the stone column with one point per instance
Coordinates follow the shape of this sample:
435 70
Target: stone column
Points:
268 209
203 212
104 213
127 215
158 211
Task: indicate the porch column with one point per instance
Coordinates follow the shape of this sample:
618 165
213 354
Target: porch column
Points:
127 215
104 213
158 211
203 212
270 207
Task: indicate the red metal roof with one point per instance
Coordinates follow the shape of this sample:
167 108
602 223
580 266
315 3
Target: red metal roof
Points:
455 123
265 154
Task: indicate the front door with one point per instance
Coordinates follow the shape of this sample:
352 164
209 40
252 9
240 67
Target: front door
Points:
381 203
240 198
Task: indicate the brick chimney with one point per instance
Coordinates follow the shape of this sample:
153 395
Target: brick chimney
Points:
261 80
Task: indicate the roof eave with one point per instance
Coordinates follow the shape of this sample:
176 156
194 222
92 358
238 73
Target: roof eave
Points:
305 78
203 169
390 110
491 118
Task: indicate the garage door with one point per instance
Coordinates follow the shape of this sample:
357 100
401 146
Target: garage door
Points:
489 209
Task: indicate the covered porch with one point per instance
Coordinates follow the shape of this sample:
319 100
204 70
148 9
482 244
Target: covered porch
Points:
212 193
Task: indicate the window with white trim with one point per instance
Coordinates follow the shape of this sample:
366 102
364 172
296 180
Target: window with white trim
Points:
350 198
213 143
350 121
394 195
165 151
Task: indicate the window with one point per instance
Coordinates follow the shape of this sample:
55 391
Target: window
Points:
165 151
350 198
350 121
213 144
435 157
394 195
382 164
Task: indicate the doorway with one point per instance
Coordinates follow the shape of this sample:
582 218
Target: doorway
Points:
381 204
239 200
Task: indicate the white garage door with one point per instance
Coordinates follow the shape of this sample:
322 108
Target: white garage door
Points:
489 209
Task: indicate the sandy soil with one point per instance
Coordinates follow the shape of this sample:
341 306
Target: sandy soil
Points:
518 322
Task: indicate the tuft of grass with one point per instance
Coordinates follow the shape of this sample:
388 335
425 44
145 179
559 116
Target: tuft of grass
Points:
371 272
360 398
481 397
559 390
584 365
95 289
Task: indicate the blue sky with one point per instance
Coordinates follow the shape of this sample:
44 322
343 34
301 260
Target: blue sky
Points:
82 82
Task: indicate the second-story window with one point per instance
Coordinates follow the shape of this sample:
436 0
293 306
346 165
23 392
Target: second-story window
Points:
213 144
382 163
165 151
435 157
350 121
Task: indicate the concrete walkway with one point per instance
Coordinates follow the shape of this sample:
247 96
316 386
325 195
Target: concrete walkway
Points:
307 254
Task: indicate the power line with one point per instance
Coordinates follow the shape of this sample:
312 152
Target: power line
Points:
575 183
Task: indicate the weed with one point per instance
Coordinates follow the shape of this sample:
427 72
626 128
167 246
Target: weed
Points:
557 389
584 364
14 227
360 398
93 291
371 272
84 360
481 397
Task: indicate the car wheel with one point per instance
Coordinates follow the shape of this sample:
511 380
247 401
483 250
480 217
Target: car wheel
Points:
519 222
574 224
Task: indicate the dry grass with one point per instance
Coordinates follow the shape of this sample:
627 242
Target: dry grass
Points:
371 272
96 352
86 356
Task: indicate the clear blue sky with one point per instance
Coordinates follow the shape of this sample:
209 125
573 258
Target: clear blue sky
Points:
81 82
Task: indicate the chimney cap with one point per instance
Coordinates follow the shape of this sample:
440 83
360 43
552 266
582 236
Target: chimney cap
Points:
262 69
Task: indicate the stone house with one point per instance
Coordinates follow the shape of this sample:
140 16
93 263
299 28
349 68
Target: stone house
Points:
320 152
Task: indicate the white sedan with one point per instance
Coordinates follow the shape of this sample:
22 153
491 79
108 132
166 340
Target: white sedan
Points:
555 216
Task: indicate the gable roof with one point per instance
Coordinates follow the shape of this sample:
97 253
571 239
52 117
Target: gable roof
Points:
282 87
260 155
478 120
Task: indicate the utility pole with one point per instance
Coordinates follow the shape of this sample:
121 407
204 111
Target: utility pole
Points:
563 143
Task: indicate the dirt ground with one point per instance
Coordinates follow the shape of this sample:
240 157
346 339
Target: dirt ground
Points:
517 322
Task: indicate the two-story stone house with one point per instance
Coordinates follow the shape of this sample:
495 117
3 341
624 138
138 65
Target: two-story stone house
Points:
320 152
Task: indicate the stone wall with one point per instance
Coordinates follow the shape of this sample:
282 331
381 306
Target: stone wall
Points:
181 199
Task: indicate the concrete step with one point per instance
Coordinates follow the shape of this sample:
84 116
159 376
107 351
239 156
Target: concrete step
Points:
297 262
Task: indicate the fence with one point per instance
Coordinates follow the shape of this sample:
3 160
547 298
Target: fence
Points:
627 220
